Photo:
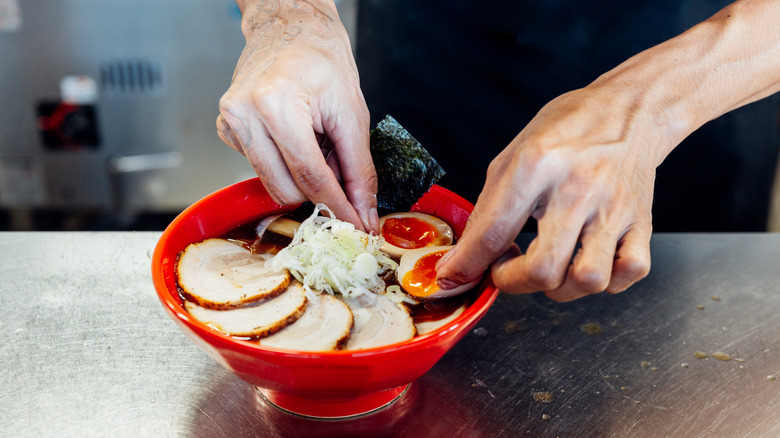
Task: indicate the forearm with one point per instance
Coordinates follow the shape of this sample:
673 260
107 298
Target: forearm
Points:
728 61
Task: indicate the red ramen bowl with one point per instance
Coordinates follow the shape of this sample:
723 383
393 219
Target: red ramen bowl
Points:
323 384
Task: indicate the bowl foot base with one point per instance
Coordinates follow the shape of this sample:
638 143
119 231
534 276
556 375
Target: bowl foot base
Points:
333 409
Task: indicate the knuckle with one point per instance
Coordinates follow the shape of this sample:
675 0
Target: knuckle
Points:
225 104
545 274
635 267
590 280
494 239
229 105
371 179
270 97
362 113
266 103
538 162
224 129
503 283
309 179
275 194
496 167
281 197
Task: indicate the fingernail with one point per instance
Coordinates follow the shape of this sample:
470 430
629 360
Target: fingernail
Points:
370 220
364 221
446 283
373 217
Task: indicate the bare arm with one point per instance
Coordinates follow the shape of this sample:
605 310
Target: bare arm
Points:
584 167
721 64
295 109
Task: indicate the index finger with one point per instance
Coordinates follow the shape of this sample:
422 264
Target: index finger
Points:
307 165
350 137
498 217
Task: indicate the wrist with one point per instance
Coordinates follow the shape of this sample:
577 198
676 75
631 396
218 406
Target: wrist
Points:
258 15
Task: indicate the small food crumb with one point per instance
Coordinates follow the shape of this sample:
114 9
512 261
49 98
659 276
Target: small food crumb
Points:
654 369
606 377
512 327
700 307
545 417
636 402
624 388
739 360
700 355
645 364
592 328
480 383
771 378
684 365
543 397
721 356
715 298
482 331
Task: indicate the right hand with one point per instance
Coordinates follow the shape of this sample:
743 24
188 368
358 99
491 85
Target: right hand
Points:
295 110
584 167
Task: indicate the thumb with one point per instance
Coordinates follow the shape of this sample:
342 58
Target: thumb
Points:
487 236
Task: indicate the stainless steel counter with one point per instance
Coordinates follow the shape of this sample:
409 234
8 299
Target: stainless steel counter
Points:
86 349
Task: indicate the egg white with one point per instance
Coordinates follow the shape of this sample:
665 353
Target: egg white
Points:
411 257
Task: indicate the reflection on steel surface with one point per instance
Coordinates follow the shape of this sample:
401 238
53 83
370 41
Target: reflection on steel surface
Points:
88 339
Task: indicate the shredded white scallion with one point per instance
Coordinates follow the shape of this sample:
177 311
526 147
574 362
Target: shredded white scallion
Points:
330 255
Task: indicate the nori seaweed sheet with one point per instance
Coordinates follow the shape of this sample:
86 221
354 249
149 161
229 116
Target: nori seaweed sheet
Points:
405 170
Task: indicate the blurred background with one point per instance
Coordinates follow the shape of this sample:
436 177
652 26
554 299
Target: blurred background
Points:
108 106
140 148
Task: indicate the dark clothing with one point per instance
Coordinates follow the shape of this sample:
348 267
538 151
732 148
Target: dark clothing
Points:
466 77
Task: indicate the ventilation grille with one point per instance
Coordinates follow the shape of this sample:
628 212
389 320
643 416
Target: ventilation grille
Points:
131 77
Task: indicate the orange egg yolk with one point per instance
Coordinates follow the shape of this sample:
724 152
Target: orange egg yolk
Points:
420 281
408 232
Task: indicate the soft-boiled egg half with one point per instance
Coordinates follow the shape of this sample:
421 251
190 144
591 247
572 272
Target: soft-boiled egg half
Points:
417 274
407 231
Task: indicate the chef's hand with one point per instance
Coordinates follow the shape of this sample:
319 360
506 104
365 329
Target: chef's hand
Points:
584 167
295 109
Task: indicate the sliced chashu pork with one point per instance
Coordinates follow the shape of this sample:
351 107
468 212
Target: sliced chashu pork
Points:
377 322
261 319
323 327
220 274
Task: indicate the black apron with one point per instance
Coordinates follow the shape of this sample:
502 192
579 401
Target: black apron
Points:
465 77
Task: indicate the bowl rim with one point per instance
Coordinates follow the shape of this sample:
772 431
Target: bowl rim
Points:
173 303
